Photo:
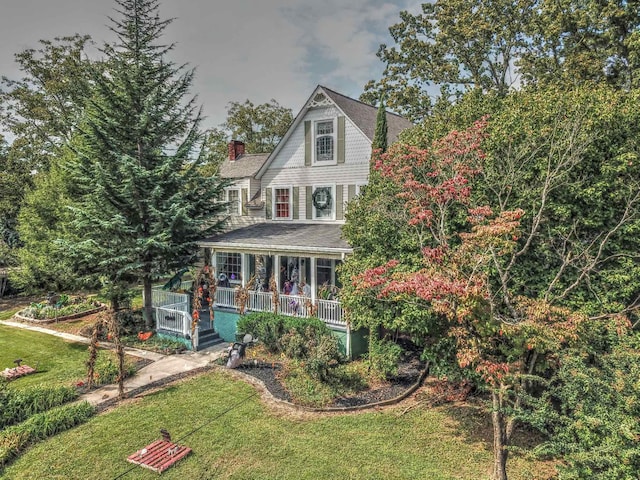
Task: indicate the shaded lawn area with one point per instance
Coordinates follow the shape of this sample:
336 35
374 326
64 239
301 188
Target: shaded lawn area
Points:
57 361
253 442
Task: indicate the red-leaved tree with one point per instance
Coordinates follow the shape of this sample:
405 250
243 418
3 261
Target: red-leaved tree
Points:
466 250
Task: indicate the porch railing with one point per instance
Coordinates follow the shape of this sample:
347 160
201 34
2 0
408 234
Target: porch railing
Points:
172 320
330 311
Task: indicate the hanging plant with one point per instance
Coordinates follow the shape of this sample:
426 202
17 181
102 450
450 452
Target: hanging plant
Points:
322 198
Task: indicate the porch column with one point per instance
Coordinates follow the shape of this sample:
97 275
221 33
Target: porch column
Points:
244 259
214 265
314 279
276 270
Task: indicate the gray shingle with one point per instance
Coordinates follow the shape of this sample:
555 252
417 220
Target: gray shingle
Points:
364 116
244 166
301 236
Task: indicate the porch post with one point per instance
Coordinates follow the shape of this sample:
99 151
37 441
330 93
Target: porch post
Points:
314 279
276 270
244 259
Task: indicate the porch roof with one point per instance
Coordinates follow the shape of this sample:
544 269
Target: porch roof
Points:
277 237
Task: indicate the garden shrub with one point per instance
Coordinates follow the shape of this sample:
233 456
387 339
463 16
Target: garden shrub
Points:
16 438
269 328
305 339
106 370
18 405
383 357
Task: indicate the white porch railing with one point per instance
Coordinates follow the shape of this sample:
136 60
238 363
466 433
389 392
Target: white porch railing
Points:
225 297
172 320
330 311
260 301
294 305
163 298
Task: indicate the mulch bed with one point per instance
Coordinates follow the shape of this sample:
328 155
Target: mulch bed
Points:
409 372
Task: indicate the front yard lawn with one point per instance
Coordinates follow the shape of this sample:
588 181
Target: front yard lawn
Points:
58 362
255 442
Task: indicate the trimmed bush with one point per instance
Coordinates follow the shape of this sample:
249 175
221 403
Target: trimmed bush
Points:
16 406
269 328
16 438
383 357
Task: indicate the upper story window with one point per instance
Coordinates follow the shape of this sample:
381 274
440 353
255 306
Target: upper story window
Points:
325 141
282 203
233 198
324 202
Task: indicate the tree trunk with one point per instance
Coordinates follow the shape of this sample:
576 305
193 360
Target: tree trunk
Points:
500 452
146 297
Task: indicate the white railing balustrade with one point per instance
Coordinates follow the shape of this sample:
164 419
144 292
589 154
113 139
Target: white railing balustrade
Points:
225 297
161 298
293 305
171 320
260 301
330 311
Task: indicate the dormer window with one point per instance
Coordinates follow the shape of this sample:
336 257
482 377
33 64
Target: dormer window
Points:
325 141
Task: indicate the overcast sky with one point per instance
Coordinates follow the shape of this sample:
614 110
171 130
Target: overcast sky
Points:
243 49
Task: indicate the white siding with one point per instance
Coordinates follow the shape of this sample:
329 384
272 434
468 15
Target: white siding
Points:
288 167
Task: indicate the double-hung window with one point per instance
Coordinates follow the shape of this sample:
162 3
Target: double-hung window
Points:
325 141
233 199
282 208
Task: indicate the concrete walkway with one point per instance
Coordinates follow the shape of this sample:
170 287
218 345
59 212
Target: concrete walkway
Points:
161 368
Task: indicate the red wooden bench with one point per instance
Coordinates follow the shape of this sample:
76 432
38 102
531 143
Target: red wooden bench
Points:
159 455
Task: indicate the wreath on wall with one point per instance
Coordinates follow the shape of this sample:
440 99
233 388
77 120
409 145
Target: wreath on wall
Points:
322 198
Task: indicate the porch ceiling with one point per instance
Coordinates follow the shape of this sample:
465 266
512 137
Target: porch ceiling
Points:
285 237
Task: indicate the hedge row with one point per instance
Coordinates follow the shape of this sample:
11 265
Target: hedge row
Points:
16 438
16 406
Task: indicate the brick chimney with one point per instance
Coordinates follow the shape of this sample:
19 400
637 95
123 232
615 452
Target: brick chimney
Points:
236 148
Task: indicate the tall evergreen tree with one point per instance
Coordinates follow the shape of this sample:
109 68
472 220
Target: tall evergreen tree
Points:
380 135
142 203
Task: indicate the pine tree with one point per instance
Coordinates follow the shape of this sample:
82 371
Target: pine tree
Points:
380 135
142 202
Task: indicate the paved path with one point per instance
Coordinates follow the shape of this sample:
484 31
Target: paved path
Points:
162 366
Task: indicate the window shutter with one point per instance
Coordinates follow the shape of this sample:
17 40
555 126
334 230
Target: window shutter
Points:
296 203
351 192
307 143
245 201
339 202
309 203
268 201
340 139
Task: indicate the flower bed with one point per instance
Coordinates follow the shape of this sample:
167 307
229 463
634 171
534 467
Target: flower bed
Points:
64 309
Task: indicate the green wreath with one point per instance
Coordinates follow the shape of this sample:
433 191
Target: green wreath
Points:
322 198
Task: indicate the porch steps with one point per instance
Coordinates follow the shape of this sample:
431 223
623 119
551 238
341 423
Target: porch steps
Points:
208 338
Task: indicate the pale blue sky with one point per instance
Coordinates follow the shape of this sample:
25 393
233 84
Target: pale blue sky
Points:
256 49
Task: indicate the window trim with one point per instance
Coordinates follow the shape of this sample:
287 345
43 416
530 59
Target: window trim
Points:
239 202
334 136
332 186
274 208
236 281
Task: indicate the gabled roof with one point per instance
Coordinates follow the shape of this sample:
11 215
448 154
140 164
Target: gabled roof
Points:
361 114
364 116
244 166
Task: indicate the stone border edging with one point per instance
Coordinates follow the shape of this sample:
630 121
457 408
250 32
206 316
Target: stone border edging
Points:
382 403
65 318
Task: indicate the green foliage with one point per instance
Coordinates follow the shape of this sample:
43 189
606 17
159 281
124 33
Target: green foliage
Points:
260 127
106 370
592 413
16 438
383 357
43 311
380 135
142 202
269 328
18 405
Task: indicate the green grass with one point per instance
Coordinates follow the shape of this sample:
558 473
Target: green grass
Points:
252 442
58 362
7 314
